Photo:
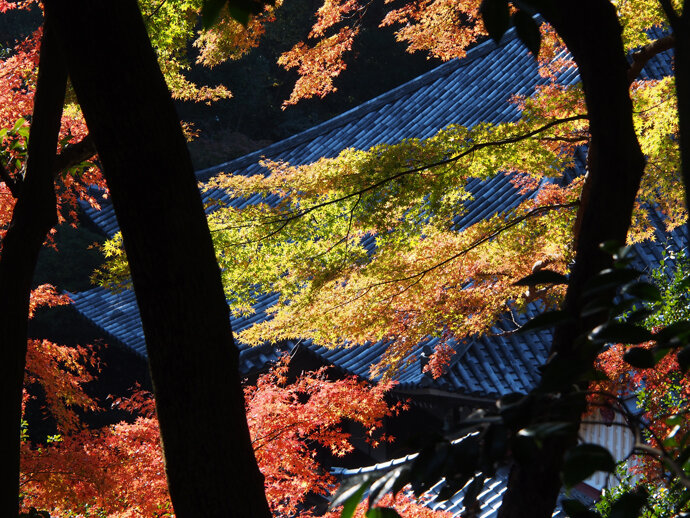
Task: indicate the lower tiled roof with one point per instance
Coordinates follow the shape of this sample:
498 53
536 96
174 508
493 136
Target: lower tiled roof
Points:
489 499
486 366
490 365
117 314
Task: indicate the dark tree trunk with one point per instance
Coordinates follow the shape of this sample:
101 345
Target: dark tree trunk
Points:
591 31
210 462
34 215
681 31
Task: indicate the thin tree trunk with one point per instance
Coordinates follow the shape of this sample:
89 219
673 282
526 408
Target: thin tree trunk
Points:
210 462
681 31
34 215
591 31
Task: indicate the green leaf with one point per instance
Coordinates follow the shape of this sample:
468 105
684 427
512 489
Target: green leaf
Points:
576 509
674 420
528 31
678 332
684 358
513 407
496 17
210 11
382 512
541 431
385 484
583 461
596 306
496 443
350 494
609 279
629 505
643 290
594 374
20 122
509 399
640 357
453 485
546 319
428 467
543 277
683 457
465 456
615 249
472 492
620 333
525 449
639 316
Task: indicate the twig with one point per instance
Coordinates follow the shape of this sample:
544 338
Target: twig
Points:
515 221
417 277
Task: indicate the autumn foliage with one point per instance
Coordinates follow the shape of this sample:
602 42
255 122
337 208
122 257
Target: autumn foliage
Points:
119 470
661 393
426 277
404 504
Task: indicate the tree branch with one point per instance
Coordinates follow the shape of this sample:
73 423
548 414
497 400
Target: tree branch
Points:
417 277
476 147
473 149
642 56
12 184
70 156
515 221
74 154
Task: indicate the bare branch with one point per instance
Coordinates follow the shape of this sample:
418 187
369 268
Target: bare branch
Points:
642 56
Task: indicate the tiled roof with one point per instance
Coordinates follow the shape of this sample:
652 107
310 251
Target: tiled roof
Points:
617 438
489 498
477 88
117 314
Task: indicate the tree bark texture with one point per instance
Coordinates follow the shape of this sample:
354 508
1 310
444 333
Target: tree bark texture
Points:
34 215
210 463
591 31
